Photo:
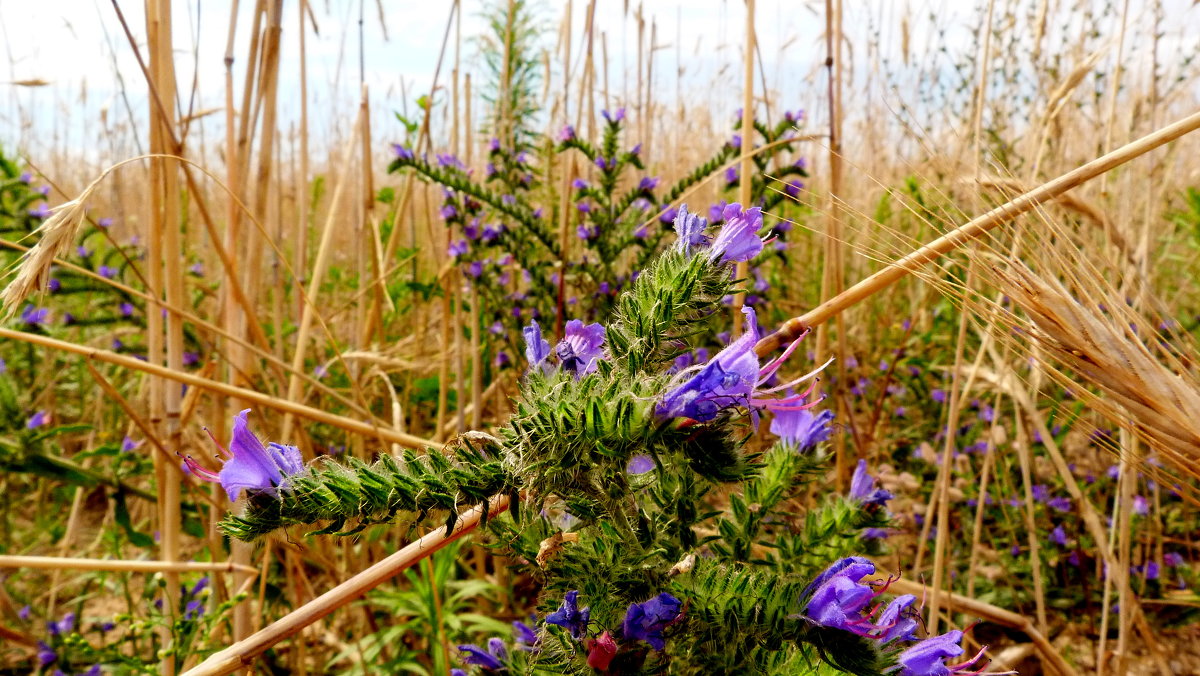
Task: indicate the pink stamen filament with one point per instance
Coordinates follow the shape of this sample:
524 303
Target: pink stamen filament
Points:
973 660
774 364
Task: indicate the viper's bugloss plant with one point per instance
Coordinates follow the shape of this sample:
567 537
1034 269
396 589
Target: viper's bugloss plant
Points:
611 462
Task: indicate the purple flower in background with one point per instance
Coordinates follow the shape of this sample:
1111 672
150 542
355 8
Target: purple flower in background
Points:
642 231
106 271
45 654
862 487
794 116
647 620
448 211
613 118
23 613
567 133
449 161
875 534
587 234
53 285
475 269
26 178
738 239
668 215
736 141
1140 506
537 349
648 183
838 597
105 222
584 207
636 150
689 228
41 211
927 657
459 248
126 309
502 359
580 348
639 464
37 420
570 617
248 465
34 316
731 175
801 428
64 626
579 184
402 152
473 654
524 634
605 164
1059 536
1172 559
42 190
128 445
938 396
1060 504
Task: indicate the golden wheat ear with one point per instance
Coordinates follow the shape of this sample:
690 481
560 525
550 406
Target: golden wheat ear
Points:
55 237
1140 392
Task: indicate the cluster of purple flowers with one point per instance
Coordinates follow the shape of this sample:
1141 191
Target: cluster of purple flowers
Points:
644 622
578 353
838 598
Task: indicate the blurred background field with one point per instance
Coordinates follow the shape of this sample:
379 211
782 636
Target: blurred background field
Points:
303 260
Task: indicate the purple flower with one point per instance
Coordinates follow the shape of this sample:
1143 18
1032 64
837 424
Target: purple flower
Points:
1060 504
567 133
1151 570
128 445
45 654
938 396
689 228
648 183
537 349
584 207
1170 559
37 420
800 428
636 149
501 359
106 271
32 316
64 626
729 379
570 617
473 654
613 118
448 211
668 214
105 222
126 309
605 164
897 620
459 248
738 239
927 657
40 211
587 234
53 285
449 161
402 152
524 634
794 116
838 597
731 175
639 464
26 178
475 269
1059 536
580 348
862 487
736 141
249 465
23 613
42 190
646 621
642 231
494 145
579 184
1140 506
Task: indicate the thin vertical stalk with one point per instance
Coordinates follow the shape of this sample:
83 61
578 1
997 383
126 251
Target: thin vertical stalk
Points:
301 252
747 165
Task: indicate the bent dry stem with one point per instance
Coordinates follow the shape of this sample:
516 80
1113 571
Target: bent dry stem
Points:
973 229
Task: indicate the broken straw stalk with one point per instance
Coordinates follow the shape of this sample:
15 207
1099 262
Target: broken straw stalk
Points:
243 652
